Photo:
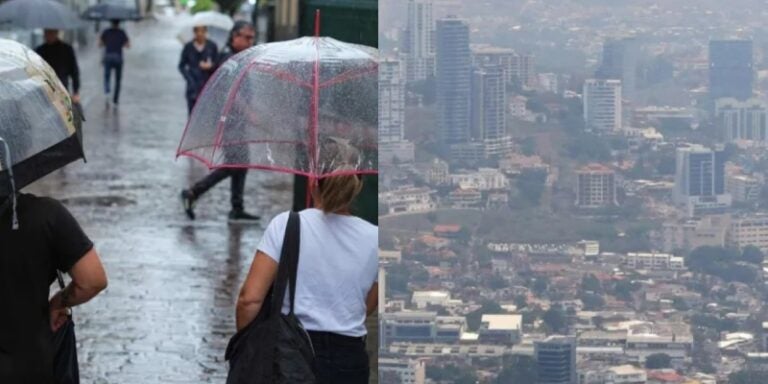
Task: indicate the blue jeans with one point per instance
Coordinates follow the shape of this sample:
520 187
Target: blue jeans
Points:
339 359
115 63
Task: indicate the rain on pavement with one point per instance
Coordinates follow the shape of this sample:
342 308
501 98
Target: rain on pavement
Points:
169 309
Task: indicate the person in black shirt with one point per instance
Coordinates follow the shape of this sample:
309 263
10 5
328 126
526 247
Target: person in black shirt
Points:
197 64
241 38
113 40
61 57
48 239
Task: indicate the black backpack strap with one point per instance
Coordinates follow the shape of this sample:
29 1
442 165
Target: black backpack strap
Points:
288 266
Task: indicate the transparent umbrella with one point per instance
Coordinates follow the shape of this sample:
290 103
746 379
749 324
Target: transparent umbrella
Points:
307 106
40 131
218 25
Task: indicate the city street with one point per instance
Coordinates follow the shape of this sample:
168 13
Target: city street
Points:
168 312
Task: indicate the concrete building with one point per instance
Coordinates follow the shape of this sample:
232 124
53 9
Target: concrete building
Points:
500 329
749 230
438 173
743 120
602 105
700 180
407 199
408 327
424 299
640 345
595 187
484 179
518 107
743 188
696 232
625 374
556 360
731 71
489 104
548 82
653 260
465 198
517 68
391 101
397 152
410 371
419 40
619 62
453 81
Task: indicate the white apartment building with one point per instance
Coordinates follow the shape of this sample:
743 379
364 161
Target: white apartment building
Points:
465 198
420 40
743 120
485 179
391 101
408 199
742 188
653 260
602 105
749 230
625 374
410 371
424 299
438 173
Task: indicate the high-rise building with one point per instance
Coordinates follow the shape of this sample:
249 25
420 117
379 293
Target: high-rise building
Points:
489 102
419 40
453 80
556 360
731 72
700 179
517 68
619 62
602 105
743 120
595 186
391 101
407 371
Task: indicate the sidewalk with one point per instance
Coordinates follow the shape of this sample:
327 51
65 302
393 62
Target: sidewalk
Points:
169 309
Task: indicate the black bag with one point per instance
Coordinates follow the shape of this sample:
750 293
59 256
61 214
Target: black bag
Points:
275 348
65 368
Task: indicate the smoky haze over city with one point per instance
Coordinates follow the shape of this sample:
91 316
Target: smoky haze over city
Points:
573 192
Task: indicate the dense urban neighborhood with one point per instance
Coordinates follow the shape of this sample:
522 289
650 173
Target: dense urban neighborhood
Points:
573 193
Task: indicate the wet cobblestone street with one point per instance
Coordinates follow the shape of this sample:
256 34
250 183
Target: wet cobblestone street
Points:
169 309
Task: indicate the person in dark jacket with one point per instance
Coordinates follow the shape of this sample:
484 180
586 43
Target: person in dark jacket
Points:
241 38
61 57
113 40
197 63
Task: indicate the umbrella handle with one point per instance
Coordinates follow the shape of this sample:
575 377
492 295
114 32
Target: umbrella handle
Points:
15 222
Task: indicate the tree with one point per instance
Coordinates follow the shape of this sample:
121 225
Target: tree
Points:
540 285
229 7
658 361
679 304
451 373
746 377
555 319
592 302
531 184
528 146
520 369
521 301
590 283
752 254
389 377
497 282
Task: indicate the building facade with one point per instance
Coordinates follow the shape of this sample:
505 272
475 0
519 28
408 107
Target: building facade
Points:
731 72
419 40
700 179
453 81
619 62
556 360
743 120
489 104
595 187
602 105
391 101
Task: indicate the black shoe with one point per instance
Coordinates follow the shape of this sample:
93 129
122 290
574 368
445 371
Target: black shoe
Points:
242 217
188 202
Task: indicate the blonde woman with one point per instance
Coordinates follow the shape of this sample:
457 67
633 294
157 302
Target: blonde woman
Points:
336 282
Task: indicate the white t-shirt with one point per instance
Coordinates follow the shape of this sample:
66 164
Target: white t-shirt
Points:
338 264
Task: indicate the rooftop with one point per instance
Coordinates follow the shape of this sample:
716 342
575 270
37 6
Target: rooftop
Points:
503 322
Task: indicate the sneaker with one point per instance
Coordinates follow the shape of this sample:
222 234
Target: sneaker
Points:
242 217
188 202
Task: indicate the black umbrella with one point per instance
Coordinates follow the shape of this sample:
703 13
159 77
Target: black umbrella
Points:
106 11
33 14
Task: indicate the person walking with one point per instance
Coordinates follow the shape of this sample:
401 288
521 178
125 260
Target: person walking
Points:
61 57
336 283
197 64
241 37
114 40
